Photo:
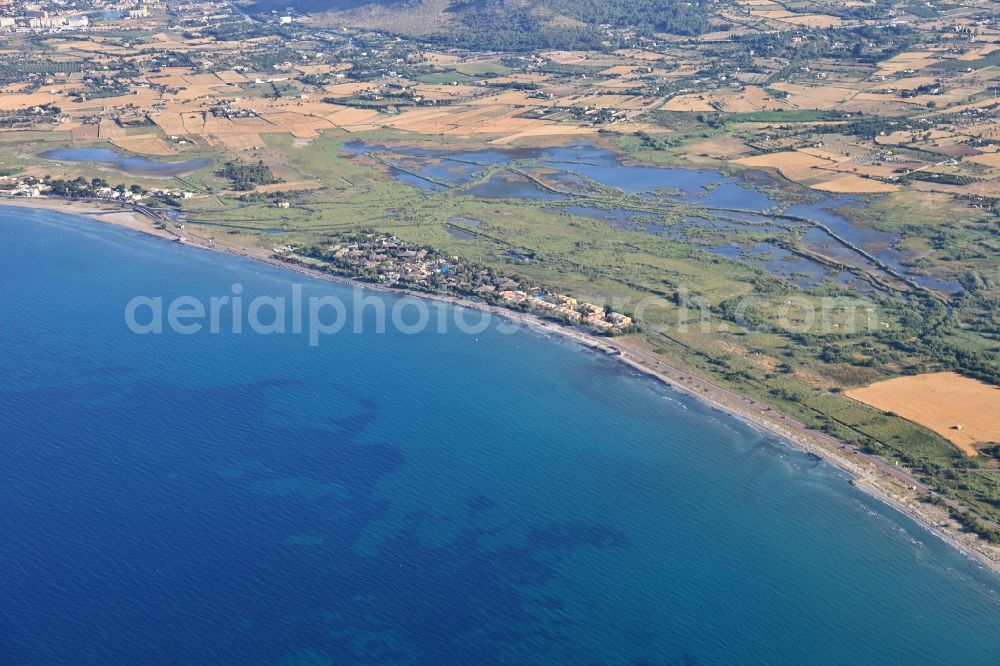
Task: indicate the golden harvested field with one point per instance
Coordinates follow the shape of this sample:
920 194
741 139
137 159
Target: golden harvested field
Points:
985 131
824 154
413 116
964 411
352 116
751 98
85 132
614 86
202 80
692 102
619 70
820 170
544 131
816 96
986 188
440 91
625 102
441 58
974 54
11 101
194 123
493 126
721 147
236 141
908 60
791 18
813 20
171 123
851 184
458 120
793 165
109 129
172 79
347 89
896 138
231 77
289 121
951 96
913 82
147 144
987 159
876 105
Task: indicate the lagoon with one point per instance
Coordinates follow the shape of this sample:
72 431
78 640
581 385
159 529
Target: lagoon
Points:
575 170
131 164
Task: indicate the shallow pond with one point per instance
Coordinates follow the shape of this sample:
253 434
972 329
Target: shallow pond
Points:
464 221
509 186
459 234
776 260
130 164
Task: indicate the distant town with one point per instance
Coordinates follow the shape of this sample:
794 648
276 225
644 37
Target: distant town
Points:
58 15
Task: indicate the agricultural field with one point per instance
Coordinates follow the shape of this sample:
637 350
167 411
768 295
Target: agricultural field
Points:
964 411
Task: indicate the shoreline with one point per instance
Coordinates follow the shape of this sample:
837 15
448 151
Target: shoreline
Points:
106 212
877 478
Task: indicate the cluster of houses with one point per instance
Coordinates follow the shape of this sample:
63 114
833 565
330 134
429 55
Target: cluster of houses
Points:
14 186
32 188
383 258
227 109
19 188
569 309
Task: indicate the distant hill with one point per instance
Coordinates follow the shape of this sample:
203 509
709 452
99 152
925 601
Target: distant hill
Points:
512 25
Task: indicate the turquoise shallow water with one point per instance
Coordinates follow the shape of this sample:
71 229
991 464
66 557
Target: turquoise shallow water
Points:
389 498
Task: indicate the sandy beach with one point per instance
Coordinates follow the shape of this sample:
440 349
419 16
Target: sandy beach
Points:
107 212
878 478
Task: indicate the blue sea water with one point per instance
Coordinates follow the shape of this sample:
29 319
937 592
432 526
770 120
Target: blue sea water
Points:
438 498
